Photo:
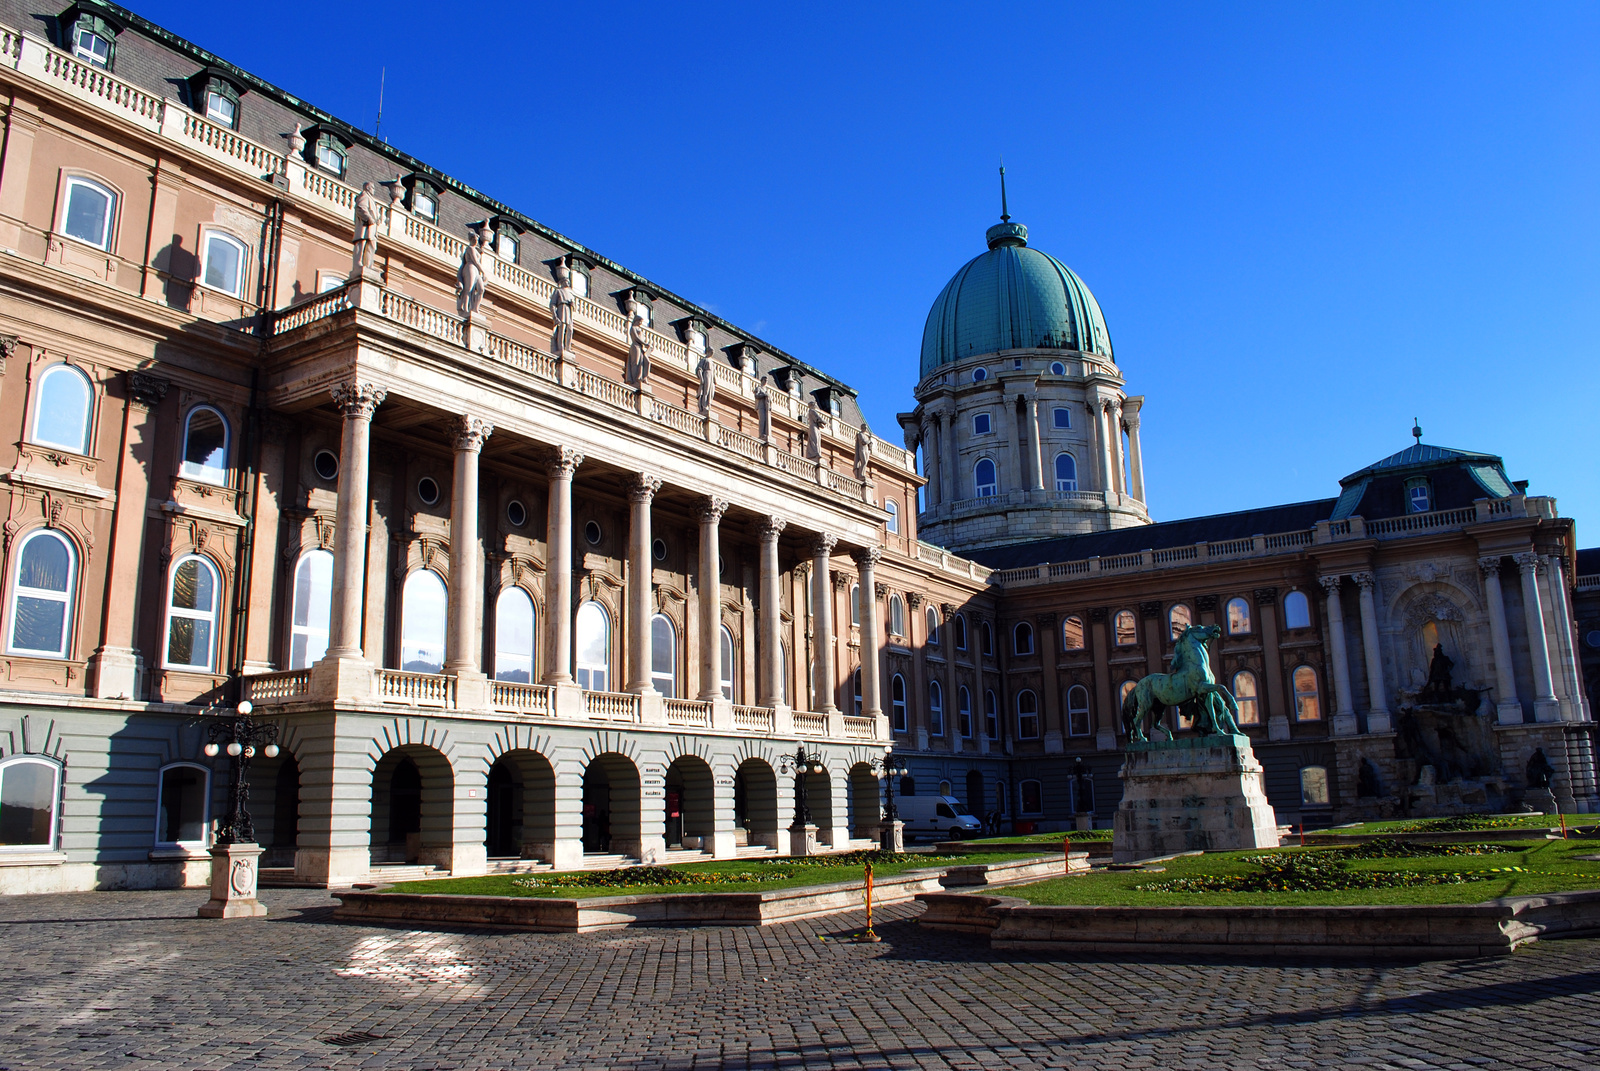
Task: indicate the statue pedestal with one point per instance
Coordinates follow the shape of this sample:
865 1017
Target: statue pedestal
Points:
1193 794
233 883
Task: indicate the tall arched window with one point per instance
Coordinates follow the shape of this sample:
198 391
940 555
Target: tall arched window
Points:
855 691
205 446
959 623
1296 610
727 663
592 647
986 635
897 616
964 712
91 212
514 636
313 609
932 617
1122 692
664 656
1238 617
855 605
783 677
892 523
1126 627
193 595
1072 633
43 591
1066 473
424 609
182 802
984 483
1178 619
29 790
61 415
1027 716
1077 711
1307 706
897 703
1022 638
935 709
1244 690
991 715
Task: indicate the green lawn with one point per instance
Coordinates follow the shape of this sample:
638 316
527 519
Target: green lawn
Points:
799 873
1047 838
1549 866
1483 822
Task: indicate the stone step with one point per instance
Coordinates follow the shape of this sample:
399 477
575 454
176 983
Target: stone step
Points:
757 851
514 865
606 861
389 873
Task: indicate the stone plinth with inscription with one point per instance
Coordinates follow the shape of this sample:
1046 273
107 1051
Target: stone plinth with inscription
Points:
1202 793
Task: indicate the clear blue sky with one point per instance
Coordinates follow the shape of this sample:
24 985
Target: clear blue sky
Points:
1306 223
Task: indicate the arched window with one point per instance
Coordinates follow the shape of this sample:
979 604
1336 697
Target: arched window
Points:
225 263
193 595
897 703
984 484
855 604
1127 628
29 790
205 446
61 415
1027 716
728 664
931 616
959 623
991 715
892 508
855 691
182 803
514 636
897 616
1244 690
935 709
1066 471
1296 610
1314 786
783 675
91 212
424 608
1238 617
1178 619
964 712
1030 797
313 609
986 634
664 656
1022 638
1307 707
1060 417
1077 711
1072 633
43 591
593 647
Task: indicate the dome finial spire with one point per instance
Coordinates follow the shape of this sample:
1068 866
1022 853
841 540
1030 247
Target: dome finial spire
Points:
1005 214
1416 430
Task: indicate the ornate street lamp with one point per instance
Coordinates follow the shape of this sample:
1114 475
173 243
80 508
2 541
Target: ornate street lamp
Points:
803 833
235 855
891 835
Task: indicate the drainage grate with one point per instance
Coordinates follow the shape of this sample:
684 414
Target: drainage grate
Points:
355 1037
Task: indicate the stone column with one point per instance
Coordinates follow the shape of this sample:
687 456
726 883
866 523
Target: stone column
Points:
1030 404
1344 712
466 590
1019 440
866 559
1102 429
115 667
1279 705
822 682
558 569
1566 648
642 490
1507 707
1378 719
710 516
1114 427
357 401
1047 640
770 686
952 468
269 479
1545 707
1130 417
931 469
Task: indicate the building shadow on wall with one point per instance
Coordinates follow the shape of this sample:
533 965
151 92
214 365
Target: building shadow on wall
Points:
179 270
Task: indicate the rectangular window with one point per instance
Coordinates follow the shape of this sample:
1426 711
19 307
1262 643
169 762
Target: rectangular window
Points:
221 109
1062 418
980 424
89 212
91 47
181 806
224 264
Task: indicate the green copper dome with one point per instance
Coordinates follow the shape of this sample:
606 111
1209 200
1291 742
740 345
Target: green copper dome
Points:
1012 298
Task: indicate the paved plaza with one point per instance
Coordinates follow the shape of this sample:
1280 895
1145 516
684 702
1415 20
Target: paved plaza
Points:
134 980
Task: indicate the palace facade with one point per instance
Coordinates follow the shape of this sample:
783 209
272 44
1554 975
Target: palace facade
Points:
530 558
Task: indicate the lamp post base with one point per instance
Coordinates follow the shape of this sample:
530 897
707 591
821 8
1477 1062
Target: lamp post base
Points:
234 871
892 836
802 840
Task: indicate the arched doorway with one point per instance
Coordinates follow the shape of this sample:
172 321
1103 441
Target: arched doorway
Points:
865 811
611 815
755 803
974 799
521 806
413 807
275 807
819 797
690 813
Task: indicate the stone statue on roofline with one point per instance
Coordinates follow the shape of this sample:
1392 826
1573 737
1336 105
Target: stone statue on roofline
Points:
814 422
863 451
708 384
365 255
638 370
470 277
763 411
562 301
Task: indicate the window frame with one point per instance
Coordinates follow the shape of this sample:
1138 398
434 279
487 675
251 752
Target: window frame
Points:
959 623
986 639
855 689
1032 714
891 524
100 30
108 230
1304 604
1301 696
935 708
933 623
669 677
1249 619
58 778
979 375
213 618
211 234
405 633
68 598
1017 632
1060 418
964 712
988 424
1088 722
197 473
205 800
1116 628
897 616
327 139
992 485
1253 698
1069 483
898 722
513 591
855 604
1058 368
85 446
309 631
1082 643
579 668
729 682
991 714
1173 632
214 91
1022 797
1414 485
1327 787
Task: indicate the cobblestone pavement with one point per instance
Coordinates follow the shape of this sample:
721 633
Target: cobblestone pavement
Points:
134 980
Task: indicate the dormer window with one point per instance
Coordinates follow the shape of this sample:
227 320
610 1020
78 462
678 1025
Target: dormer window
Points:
329 153
636 299
221 109
216 97
695 334
579 273
94 41
422 197
1419 496
506 240
981 424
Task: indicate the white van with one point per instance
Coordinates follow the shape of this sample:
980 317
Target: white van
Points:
941 816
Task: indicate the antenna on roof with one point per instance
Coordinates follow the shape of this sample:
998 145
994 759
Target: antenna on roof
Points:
382 71
1416 431
1005 215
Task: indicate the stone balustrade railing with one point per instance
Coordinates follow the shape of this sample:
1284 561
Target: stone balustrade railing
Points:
1591 582
754 719
405 688
689 712
808 724
611 706
277 687
518 698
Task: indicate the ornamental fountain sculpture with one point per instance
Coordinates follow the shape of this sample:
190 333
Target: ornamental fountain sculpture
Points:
1203 792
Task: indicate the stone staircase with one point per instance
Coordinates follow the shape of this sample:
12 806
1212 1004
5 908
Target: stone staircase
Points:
606 861
513 865
389 873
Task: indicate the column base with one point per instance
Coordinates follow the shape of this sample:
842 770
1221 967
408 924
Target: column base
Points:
343 678
563 853
117 672
332 866
1053 744
1379 721
1277 728
567 702
234 872
472 689
1345 724
468 860
1105 740
722 845
1508 712
1547 710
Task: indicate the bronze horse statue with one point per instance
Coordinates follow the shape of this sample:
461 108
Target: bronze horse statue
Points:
1190 682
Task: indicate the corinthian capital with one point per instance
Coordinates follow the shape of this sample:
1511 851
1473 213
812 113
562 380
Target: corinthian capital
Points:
711 509
470 433
1527 561
1364 581
866 557
358 400
822 544
642 486
563 463
1489 565
1330 584
771 527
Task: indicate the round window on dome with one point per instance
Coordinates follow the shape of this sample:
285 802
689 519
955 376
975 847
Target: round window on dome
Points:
1593 639
326 464
1057 368
979 375
516 513
428 490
